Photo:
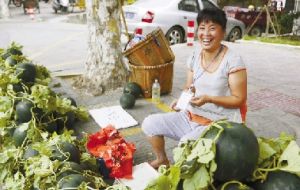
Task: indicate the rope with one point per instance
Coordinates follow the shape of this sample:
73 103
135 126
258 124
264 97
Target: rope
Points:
151 67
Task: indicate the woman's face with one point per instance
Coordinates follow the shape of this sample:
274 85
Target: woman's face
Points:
210 35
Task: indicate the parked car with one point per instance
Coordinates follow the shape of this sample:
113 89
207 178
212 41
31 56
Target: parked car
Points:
248 17
172 17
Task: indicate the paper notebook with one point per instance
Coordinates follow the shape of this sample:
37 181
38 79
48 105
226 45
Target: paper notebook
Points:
114 115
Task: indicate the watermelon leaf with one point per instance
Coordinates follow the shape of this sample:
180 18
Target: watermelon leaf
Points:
169 180
200 180
290 160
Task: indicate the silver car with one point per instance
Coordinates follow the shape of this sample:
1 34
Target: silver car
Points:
172 17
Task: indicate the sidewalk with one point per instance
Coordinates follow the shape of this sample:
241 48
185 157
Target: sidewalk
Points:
273 77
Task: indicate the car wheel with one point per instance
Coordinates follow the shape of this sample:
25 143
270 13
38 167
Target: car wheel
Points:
175 35
234 34
255 31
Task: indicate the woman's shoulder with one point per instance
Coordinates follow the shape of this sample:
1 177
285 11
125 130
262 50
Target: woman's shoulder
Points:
231 53
233 60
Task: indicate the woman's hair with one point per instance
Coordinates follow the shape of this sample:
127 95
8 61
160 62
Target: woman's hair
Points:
215 15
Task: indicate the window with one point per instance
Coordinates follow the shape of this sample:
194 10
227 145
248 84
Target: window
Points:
208 4
188 5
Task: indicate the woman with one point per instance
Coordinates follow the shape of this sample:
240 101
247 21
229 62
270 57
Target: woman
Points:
219 81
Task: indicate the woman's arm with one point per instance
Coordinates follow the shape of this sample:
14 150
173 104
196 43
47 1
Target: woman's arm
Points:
238 88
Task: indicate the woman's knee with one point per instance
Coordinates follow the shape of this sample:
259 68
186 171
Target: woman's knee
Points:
147 124
150 123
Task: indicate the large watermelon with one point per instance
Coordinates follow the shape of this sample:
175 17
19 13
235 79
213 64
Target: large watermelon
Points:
237 151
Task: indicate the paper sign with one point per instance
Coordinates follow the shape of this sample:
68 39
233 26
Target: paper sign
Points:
142 175
184 100
114 115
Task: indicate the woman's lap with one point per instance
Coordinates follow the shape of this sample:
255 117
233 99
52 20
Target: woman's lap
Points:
175 125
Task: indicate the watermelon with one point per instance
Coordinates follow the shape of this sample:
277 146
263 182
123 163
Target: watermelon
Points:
237 151
66 151
19 136
68 168
127 101
132 88
279 180
23 111
26 72
73 181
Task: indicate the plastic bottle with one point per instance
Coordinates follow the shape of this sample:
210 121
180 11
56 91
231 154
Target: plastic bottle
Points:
156 92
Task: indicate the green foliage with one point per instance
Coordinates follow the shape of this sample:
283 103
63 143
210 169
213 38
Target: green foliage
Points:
285 21
194 164
167 180
27 159
280 153
196 161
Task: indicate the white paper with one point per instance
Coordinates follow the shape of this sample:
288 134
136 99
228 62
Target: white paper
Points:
184 100
142 174
114 115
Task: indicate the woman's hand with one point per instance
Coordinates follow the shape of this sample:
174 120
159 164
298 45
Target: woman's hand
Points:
173 105
200 100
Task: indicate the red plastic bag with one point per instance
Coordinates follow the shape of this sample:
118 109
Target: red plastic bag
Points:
115 151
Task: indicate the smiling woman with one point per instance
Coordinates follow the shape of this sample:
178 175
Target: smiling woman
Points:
216 78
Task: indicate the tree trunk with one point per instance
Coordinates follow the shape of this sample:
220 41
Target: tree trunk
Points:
4 10
104 67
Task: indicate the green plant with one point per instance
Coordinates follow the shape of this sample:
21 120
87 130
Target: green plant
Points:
286 21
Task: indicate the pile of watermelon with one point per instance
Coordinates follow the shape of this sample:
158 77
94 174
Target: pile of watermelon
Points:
228 156
37 147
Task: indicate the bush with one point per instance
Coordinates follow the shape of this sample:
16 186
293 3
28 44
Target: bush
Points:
286 21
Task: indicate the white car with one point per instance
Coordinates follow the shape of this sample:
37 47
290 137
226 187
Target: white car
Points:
172 17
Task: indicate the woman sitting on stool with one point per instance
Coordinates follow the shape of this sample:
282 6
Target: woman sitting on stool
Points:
216 75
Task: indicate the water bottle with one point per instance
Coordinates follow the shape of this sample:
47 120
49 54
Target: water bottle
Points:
156 92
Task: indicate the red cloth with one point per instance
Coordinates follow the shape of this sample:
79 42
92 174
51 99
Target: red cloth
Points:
115 151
